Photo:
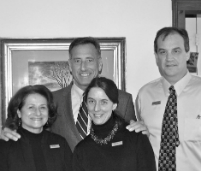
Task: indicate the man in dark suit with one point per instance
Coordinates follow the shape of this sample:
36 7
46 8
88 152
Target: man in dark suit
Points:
85 64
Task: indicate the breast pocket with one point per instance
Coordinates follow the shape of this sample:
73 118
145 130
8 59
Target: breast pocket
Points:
192 129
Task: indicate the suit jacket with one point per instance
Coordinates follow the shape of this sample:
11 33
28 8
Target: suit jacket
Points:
18 156
65 125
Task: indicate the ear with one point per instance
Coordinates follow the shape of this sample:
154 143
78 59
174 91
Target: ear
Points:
19 113
188 55
114 106
100 65
69 63
156 57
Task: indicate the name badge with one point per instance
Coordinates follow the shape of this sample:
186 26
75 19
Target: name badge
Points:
55 146
156 103
117 143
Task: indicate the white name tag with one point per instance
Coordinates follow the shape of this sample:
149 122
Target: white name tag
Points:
117 143
55 146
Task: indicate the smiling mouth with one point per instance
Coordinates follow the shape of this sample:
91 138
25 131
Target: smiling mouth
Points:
84 74
97 116
173 65
36 119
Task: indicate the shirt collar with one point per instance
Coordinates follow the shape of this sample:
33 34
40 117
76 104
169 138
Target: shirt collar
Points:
179 86
77 90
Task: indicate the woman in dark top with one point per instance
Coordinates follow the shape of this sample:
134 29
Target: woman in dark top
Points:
110 146
31 110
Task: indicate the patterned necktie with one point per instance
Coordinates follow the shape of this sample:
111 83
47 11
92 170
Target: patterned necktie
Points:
82 120
169 135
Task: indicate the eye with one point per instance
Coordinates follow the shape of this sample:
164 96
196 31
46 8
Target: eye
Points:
31 107
90 101
162 52
177 51
104 102
43 107
77 61
90 60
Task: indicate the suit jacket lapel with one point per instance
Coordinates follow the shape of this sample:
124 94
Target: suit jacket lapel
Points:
70 128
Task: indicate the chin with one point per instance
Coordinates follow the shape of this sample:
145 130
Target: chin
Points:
98 122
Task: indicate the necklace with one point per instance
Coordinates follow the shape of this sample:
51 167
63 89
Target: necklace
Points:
106 139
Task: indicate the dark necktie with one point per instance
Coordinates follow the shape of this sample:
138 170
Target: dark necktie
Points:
169 135
82 120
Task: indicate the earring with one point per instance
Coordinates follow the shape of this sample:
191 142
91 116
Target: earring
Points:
47 123
19 122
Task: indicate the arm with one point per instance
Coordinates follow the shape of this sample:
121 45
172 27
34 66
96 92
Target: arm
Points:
130 112
139 125
145 154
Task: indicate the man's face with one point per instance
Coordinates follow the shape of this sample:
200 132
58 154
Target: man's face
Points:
171 57
85 64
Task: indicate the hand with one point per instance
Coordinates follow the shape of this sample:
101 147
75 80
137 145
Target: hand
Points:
138 126
7 134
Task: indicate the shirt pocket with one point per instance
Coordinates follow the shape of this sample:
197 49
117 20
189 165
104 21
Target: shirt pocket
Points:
192 129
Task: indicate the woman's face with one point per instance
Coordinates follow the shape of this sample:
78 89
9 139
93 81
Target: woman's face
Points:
34 113
99 106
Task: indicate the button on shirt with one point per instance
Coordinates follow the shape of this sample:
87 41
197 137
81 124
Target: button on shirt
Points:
77 98
150 107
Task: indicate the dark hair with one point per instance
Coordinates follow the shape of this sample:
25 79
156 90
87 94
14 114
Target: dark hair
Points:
107 85
83 41
18 101
172 30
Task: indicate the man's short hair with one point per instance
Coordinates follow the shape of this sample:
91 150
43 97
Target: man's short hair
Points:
83 41
166 31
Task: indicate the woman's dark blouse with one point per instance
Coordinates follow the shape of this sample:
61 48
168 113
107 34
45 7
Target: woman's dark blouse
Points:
35 152
135 153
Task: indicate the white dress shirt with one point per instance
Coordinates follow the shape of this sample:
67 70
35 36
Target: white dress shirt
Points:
77 98
150 107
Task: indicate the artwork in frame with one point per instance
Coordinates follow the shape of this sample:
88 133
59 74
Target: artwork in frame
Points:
192 62
54 75
44 61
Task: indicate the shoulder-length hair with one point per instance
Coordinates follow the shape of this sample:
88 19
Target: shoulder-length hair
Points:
18 101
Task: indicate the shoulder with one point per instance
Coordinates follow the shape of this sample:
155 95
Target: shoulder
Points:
122 128
123 93
62 91
6 146
136 138
150 86
195 81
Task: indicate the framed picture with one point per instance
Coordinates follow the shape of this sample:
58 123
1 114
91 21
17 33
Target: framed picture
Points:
44 61
192 62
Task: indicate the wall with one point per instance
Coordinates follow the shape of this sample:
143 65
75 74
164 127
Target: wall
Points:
136 20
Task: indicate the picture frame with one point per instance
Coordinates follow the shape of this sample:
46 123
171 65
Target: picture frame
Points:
23 61
192 63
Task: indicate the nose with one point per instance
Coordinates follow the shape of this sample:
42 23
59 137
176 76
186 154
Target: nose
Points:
169 57
83 66
97 107
37 111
